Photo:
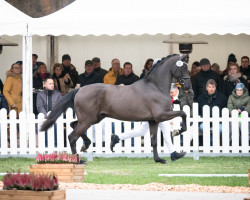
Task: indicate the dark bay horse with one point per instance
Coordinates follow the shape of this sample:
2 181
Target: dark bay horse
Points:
146 100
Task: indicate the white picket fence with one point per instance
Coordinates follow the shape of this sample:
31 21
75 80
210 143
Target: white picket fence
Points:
22 136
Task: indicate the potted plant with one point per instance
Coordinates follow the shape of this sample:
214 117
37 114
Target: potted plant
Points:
66 166
31 186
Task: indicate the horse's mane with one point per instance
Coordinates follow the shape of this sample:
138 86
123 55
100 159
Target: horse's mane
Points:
159 62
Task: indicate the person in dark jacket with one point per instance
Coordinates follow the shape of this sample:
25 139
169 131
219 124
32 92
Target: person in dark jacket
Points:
147 67
212 97
70 69
45 101
128 77
245 69
97 68
201 78
39 76
89 76
47 98
230 81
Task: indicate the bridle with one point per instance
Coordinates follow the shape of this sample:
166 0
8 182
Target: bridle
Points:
180 78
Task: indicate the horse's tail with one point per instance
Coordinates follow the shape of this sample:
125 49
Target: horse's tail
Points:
61 106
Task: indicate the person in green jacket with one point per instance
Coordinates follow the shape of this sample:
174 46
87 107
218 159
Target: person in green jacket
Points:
239 100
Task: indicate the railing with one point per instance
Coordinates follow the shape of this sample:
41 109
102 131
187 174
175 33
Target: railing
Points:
21 137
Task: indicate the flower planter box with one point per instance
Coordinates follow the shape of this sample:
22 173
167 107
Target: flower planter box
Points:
249 177
34 195
64 172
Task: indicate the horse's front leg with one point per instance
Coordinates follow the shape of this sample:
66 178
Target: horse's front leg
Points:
153 126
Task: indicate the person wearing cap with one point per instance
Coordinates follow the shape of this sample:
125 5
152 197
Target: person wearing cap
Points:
239 100
231 59
230 81
201 78
89 76
97 68
69 69
128 77
211 97
115 70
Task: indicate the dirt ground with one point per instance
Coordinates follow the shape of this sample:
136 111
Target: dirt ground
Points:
154 187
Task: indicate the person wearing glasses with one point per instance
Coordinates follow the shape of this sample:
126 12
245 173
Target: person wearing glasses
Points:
12 89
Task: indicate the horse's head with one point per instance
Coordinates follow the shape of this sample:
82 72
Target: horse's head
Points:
180 72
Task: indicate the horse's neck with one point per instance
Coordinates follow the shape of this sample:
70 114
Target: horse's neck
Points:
163 79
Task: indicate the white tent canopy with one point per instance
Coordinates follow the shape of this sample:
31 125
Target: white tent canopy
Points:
111 17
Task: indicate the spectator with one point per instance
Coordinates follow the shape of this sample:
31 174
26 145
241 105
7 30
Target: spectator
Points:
239 100
39 76
128 77
115 70
62 80
231 59
195 69
230 81
45 101
89 76
12 89
69 69
201 78
147 67
212 98
47 98
215 67
97 68
245 69
34 62
20 63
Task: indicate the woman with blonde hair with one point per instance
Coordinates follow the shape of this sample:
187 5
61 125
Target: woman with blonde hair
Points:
230 81
13 88
62 80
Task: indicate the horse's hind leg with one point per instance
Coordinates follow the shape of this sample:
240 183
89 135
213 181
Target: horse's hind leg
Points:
153 133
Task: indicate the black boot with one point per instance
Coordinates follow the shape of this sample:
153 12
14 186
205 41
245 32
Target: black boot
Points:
175 155
114 140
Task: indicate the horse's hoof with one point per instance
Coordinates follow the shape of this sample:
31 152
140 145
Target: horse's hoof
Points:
162 161
82 162
175 133
83 149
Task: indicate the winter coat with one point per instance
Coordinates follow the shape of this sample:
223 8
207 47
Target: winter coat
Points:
12 90
200 81
110 77
236 102
230 83
42 100
73 74
218 99
144 72
38 81
126 80
61 85
101 72
87 79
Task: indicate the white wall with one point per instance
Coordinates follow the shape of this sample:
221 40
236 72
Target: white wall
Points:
135 49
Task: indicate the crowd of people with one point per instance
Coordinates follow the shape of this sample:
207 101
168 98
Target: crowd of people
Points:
211 86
